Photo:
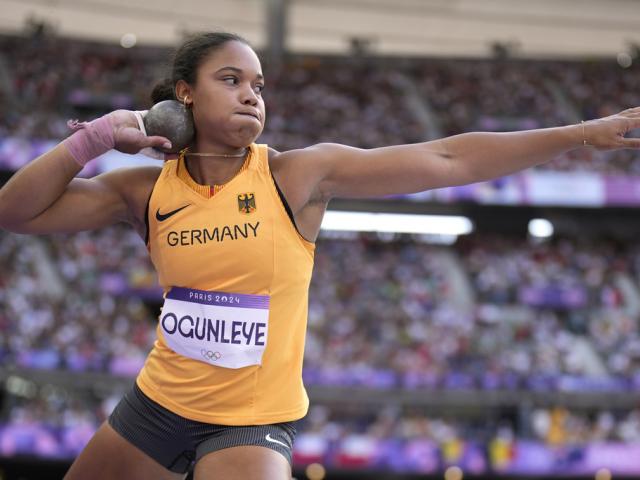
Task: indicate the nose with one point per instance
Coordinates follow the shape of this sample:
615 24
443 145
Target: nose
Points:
249 96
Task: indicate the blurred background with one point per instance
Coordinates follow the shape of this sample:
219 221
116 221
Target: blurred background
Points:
491 332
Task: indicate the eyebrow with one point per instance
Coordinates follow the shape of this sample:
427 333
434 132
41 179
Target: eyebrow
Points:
238 70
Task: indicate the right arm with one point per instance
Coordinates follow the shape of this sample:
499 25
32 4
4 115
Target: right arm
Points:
45 197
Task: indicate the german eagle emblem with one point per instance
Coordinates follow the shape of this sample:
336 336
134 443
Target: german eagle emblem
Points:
247 203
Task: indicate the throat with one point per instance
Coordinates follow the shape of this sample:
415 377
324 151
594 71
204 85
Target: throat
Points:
208 177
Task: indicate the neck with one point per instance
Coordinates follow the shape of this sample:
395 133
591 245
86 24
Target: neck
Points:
217 168
214 148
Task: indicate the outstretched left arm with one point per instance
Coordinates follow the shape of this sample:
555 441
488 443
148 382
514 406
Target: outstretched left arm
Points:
333 170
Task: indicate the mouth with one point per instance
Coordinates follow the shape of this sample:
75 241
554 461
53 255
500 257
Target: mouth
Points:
250 114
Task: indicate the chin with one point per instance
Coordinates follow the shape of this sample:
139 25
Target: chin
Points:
246 136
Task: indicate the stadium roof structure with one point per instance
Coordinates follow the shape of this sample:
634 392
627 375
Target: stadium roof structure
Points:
470 28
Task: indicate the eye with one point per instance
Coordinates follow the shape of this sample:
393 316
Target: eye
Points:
230 80
258 88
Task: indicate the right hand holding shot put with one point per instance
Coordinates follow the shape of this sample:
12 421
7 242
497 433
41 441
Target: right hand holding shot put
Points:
167 127
129 138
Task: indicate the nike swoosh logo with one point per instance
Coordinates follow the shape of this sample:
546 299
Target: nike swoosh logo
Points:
273 440
161 217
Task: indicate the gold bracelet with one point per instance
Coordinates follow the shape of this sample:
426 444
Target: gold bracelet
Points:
584 138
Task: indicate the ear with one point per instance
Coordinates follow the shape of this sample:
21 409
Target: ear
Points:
183 91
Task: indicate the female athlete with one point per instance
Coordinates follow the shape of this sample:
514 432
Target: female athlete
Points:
230 226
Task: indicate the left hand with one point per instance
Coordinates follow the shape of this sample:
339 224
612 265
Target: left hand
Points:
608 133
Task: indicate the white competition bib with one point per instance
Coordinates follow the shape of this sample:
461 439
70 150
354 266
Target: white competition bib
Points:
223 329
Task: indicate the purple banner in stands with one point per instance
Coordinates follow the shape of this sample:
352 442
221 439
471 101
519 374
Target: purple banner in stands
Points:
621 190
359 452
534 458
553 296
543 188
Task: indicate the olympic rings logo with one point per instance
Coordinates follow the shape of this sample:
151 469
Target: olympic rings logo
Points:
210 356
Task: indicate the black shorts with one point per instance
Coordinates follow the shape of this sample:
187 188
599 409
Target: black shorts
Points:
177 442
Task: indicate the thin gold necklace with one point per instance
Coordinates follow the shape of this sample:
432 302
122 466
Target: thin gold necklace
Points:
186 152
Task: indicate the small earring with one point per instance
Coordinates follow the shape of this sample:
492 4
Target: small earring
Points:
185 102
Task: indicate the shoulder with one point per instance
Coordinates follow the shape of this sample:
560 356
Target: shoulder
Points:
305 157
300 173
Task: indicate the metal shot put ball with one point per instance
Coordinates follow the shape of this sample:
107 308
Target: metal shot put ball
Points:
172 120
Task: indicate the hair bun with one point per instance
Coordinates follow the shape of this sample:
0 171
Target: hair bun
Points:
163 91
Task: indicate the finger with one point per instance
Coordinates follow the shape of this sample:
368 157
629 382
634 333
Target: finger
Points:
633 123
139 114
630 142
157 142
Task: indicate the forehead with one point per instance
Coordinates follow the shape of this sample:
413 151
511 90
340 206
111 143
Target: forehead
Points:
234 54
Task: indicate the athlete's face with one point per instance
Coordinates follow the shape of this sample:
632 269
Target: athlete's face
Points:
227 97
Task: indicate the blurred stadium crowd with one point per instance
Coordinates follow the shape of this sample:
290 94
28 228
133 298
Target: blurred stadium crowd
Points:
488 314
311 100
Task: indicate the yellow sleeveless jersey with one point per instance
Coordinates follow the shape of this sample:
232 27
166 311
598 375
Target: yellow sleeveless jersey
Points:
235 273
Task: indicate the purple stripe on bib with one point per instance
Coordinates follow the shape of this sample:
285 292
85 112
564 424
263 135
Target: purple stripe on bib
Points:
222 299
